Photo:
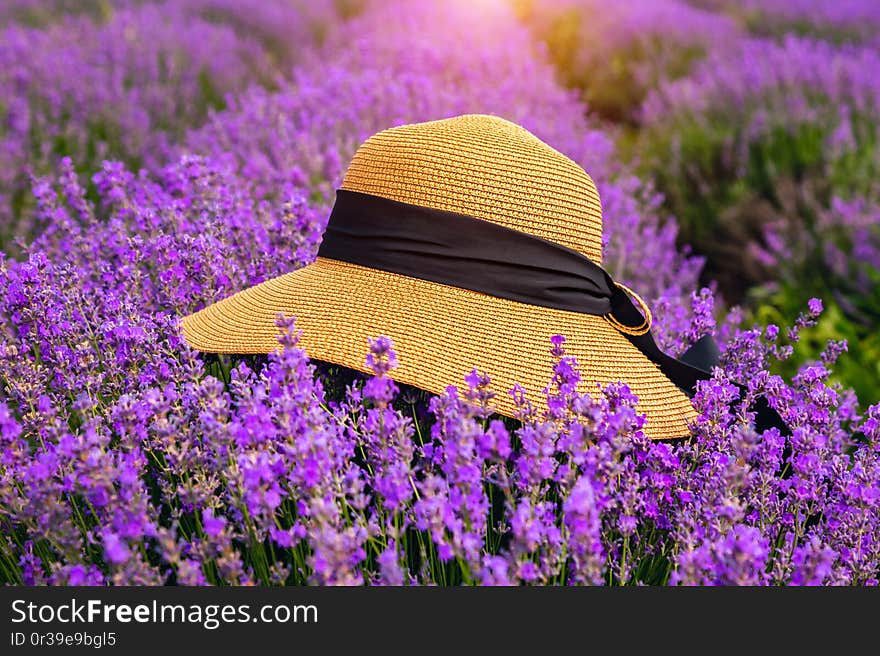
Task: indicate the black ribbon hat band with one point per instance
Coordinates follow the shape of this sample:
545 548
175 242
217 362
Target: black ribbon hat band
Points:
470 253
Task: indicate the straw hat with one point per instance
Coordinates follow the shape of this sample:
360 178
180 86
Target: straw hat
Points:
484 167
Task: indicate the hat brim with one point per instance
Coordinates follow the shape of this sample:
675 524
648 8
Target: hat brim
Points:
440 333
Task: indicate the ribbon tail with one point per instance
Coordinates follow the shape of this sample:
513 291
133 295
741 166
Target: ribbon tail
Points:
694 365
704 354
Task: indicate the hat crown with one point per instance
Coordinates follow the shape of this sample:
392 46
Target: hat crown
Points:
486 167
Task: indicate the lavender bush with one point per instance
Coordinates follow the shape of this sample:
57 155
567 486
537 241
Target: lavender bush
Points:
798 110
614 52
839 21
127 88
758 156
124 462
286 29
835 251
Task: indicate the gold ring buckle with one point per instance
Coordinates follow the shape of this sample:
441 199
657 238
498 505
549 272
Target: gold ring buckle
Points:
632 330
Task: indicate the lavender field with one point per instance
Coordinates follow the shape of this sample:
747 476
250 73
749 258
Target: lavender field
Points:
158 156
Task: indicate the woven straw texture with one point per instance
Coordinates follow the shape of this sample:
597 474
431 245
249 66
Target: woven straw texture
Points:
485 167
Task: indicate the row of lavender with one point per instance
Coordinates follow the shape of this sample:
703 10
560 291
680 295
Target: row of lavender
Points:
126 458
758 121
128 84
